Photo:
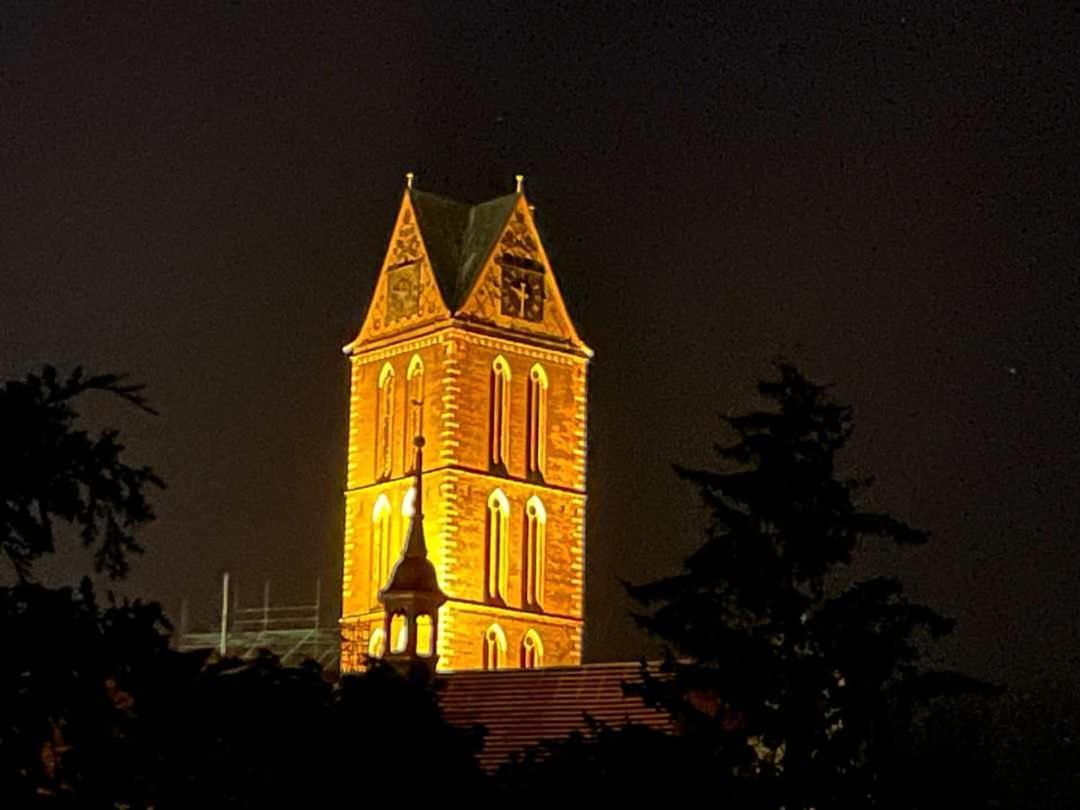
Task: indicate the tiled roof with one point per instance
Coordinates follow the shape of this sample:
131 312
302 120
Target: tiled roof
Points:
520 708
458 238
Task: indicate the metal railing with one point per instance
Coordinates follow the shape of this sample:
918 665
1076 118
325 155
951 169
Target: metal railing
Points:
294 633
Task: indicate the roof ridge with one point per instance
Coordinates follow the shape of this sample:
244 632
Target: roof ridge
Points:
462 203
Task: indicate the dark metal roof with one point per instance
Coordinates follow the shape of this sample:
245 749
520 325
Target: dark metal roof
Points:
413 576
458 238
520 708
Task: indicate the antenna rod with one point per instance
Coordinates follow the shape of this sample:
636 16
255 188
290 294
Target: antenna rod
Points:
266 606
223 646
318 602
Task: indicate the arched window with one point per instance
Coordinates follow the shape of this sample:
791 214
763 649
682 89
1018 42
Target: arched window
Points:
384 423
399 632
494 648
377 643
414 389
424 636
532 651
535 552
495 563
536 423
381 553
499 433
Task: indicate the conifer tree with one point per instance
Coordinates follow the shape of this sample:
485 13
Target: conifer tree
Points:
788 677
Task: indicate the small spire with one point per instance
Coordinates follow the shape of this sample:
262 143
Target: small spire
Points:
414 575
413 591
520 182
415 544
408 179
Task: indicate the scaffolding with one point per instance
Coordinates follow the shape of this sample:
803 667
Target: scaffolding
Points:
294 633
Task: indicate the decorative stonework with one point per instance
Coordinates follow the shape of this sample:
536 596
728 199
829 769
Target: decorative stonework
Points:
403 292
405 247
409 323
516 289
406 295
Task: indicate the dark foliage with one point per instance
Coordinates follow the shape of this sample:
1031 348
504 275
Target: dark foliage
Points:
788 690
799 687
52 471
102 714
69 676
96 710
632 764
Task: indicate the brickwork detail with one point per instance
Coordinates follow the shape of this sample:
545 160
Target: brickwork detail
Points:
457 360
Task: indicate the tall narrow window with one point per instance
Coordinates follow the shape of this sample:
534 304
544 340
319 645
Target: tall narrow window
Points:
535 551
494 648
424 635
377 643
381 553
536 423
499 431
498 522
384 422
414 391
399 632
532 651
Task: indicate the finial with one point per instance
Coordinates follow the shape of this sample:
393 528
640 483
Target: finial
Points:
520 182
408 179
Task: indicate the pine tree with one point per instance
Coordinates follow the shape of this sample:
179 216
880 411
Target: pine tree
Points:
791 680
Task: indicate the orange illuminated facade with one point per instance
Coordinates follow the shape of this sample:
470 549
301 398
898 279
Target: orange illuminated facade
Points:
467 342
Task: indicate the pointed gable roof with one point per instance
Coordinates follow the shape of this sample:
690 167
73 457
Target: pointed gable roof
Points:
459 238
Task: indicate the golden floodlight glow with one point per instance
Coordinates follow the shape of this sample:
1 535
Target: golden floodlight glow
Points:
473 350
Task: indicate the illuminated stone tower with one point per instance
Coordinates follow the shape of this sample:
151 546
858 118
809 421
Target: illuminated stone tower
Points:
468 343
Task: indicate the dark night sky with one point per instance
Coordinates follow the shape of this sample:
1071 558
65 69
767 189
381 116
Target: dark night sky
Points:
884 193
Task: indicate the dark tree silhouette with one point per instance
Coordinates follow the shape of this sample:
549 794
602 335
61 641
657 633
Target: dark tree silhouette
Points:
69 675
257 734
631 764
52 471
96 710
793 681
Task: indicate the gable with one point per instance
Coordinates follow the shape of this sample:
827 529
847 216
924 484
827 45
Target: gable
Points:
407 293
483 263
513 287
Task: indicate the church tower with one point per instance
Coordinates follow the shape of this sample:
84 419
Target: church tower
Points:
467 342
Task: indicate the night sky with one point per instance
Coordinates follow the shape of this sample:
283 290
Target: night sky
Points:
885 194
